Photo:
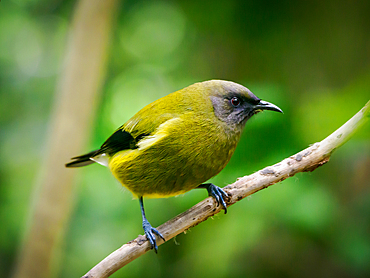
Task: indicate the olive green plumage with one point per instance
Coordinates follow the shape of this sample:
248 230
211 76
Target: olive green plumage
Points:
179 141
187 145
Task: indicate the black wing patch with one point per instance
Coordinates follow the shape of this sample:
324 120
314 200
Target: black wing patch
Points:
118 141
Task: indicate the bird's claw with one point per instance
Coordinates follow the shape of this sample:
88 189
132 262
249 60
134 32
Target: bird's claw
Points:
149 233
219 194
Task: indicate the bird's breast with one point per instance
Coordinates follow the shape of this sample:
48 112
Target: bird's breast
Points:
181 155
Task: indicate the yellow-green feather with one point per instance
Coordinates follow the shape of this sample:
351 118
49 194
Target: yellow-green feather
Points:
186 145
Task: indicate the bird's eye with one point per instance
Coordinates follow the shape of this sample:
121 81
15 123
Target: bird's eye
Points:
235 101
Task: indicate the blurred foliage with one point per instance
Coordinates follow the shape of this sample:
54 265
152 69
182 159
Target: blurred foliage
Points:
310 58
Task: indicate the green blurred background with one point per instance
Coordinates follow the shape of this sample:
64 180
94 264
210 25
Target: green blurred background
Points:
310 58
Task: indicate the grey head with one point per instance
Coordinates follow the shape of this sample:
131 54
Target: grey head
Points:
234 104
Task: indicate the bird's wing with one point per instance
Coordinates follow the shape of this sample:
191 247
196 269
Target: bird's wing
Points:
119 140
137 128
141 126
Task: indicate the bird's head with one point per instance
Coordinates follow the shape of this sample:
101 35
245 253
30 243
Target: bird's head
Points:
234 104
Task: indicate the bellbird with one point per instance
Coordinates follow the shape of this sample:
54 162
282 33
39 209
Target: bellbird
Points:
178 142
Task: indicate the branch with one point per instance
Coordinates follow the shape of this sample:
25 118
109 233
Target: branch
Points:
307 160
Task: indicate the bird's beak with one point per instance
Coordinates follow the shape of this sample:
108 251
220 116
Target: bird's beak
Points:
264 105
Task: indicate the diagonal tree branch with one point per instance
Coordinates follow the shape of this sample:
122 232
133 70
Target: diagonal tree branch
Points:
307 160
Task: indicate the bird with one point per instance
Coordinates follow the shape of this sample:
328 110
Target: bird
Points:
177 143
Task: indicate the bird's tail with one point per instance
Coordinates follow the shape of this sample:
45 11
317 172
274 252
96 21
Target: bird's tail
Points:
83 160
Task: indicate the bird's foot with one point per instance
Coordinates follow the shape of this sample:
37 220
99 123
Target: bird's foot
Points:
216 192
149 233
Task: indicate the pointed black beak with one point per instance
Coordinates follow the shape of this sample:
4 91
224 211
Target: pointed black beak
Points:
264 105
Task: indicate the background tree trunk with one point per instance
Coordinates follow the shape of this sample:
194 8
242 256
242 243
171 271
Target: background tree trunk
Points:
70 126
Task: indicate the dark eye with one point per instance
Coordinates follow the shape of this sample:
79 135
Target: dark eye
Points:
235 101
